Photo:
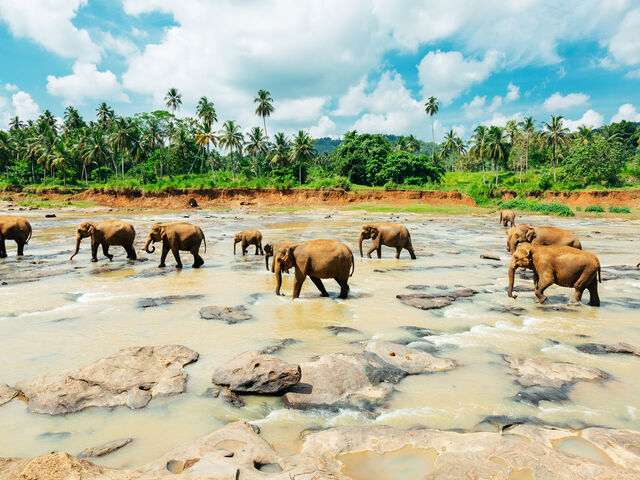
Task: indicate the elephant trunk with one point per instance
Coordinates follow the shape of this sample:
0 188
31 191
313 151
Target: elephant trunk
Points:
148 247
78 239
360 238
266 260
278 272
512 271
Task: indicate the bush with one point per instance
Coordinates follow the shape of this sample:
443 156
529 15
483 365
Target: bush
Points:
594 208
599 162
533 206
544 183
619 210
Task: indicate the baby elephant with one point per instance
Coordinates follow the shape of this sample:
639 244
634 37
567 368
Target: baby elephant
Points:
562 265
317 259
389 234
506 217
14 228
248 237
105 234
271 250
176 237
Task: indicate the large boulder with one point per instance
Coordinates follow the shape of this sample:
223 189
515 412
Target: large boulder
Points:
410 360
251 372
230 315
131 376
430 301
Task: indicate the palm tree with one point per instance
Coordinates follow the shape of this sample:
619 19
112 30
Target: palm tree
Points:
120 139
584 135
16 124
105 115
206 113
72 120
497 148
231 138
479 140
413 144
555 135
79 147
528 126
59 159
401 144
205 137
431 107
264 108
257 145
448 146
48 118
173 100
460 147
137 148
96 149
153 136
302 150
511 129
280 152
609 133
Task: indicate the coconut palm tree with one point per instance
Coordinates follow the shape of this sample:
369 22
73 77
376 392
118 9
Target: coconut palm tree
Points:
584 135
528 126
230 139
257 145
173 100
609 133
204 138
121 138
78 147
105 115
302 150
72 120
497 148
48 118
206 113
153 136
431 107
401 144
511 129
555 135
96 149
280 152
479 141
16 124
264 108
413 144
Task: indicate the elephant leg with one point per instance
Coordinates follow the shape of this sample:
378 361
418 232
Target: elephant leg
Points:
131 252
3 249
594 299
536 279
543 283
20 244
94 250
398 250
318 283
197 259
373 247
176 255
165 252
245 245
344 287
379 251
409 248
297 283
260 246
105 250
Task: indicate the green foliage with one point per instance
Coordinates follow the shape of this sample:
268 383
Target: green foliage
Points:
545 181
359 157
619 210
594 208
534 206
599 162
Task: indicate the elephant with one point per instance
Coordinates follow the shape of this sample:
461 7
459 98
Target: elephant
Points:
506 217
389 234
107 233
246 238
271 250
565 266
540 236
318 259
14 228
176 237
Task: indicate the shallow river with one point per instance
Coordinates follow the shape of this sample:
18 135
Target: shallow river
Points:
88 311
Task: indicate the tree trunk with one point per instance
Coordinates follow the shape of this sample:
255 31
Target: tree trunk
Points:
433 139
483 181
122 168
264 120
554 163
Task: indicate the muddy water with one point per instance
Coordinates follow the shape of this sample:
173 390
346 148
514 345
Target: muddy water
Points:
85 311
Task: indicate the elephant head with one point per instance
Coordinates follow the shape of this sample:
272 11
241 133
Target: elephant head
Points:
521 258
284 260
522 233
156 234
268 252
368 231
86 229
237 239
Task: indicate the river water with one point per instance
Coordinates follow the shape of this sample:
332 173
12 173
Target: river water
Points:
87 311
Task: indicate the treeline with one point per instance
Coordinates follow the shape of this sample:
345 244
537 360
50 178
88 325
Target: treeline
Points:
150 147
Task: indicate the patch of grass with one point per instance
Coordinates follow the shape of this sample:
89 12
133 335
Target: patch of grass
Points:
594 208
619 210
535 206
418 208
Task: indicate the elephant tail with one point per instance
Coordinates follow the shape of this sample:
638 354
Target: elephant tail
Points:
205 243
29 237
353 265
599 275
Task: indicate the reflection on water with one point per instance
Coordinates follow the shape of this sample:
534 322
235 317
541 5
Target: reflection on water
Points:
407 463
85 311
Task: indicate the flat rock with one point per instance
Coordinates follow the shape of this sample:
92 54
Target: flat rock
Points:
419 331
105 449
603 348
490 256
279 345
251 372
430 301
336 330
132 376
230 315
410 360
7 393
167 300
517 311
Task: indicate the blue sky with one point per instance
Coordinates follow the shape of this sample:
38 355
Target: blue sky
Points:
330 65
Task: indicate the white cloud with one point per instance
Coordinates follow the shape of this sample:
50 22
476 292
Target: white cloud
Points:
557 102
447 74
86 82
5 114
325 128
633 74
24 106
591 118
513 93
48 23
626 112
625 44
500 120
478 107
10 87
299 109
120 45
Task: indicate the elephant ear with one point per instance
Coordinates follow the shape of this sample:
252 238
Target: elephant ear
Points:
289 259
91 229
162 233
374 233
529 234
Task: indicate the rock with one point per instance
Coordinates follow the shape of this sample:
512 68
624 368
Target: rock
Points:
131 376
490 256
168 300
336 330
419 331
430 301
50 215
55 466
231 315
270 350
529 452
410 360
192 203
7 393
105 449
453 252
230 397
517 311
251 372
602 348
550 381
417 287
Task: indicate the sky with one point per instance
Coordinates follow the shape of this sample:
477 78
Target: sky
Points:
330 65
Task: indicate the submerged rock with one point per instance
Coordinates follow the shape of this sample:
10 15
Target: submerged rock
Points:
231 315
131 376
168 300
603 348
251 372
410 360
517 311
336 330
420 331
105 449
490 256
7 393
430 301
279 345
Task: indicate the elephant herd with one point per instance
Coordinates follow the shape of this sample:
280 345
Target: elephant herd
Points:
553 254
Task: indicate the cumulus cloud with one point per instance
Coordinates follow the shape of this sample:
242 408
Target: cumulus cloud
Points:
500 120
633 74
49 23
625 44
86 82
324 128
447 74
479 106
24 106
10 87
557 102
626 112
591 118
299 109
120 45
513 93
